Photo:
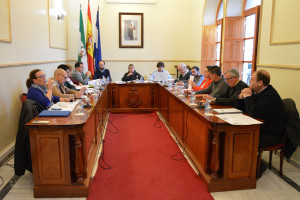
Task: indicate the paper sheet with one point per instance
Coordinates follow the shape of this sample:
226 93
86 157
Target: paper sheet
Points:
65 106
227 110
238 119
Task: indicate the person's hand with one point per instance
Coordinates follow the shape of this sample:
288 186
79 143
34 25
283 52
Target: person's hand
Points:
180 83
78 94
88 73
247 92
69 99
129 74
80 84
83 89
192 83
50 84
206 96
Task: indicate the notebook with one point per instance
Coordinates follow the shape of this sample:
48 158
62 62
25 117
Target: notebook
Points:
52 113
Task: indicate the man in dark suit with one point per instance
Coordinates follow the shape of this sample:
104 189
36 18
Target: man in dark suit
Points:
262 101
234 89
130 32
102 72
184 75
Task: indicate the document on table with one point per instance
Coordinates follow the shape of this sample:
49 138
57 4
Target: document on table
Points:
64 106
120 82
238 119
228 110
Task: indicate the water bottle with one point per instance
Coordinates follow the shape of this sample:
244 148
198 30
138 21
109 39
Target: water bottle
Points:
80 107
207 107
192 98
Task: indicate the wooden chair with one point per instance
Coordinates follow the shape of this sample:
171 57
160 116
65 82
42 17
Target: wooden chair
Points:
23 97
271 149
289 111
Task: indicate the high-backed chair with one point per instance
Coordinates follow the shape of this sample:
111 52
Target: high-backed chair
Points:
280 146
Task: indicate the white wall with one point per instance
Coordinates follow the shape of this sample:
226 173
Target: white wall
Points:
172 33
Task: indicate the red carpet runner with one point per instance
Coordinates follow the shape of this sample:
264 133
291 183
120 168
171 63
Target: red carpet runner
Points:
141 164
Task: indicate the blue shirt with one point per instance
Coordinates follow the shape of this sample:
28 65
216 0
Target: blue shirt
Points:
38 96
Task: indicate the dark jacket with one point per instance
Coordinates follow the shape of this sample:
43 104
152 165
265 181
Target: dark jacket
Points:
232 94
215 89
68 85
22 147
132 77
266 105
292 128
105 74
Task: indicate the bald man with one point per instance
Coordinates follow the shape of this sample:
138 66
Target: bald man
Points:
184 75
60 90
262 101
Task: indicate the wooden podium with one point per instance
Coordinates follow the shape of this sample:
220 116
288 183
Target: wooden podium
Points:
63 151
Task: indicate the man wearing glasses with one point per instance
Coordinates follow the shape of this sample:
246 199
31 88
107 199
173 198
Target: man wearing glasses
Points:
60 90
234 89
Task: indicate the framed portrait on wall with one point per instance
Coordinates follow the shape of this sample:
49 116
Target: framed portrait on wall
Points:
131 30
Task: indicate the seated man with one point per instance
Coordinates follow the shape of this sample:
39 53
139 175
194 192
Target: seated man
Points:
41 92
234 89
131 74
78 74
184 75
69 83
102 72
60 90
198 78
160 68
218 87
262 101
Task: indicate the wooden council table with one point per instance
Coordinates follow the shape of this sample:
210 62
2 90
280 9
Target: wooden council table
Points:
63 151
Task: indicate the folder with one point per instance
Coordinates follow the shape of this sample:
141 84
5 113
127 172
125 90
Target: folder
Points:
52 113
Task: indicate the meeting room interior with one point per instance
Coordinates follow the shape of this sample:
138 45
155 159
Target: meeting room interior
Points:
150 99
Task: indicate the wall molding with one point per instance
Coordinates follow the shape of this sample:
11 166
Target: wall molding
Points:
272 42
181 61
4 65
279 66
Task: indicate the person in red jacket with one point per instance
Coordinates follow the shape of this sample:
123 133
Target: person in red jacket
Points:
205 83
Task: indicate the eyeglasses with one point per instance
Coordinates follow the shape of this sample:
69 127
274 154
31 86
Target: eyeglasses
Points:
42 76
63 76
227 79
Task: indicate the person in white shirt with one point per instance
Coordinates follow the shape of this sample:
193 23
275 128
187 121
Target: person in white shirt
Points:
160 68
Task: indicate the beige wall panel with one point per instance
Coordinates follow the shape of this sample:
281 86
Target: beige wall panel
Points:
285 22
5 33
58 28
285 54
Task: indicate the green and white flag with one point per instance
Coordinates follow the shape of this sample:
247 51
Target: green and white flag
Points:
82 56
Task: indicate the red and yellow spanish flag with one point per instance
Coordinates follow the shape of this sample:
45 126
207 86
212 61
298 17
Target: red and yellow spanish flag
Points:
89 42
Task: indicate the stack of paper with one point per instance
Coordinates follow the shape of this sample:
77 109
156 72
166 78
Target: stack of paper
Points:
228 110
238 119
64 106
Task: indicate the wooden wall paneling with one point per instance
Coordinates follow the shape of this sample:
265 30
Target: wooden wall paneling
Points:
176 116
50 157
209 42
197 140
233 42
240 152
